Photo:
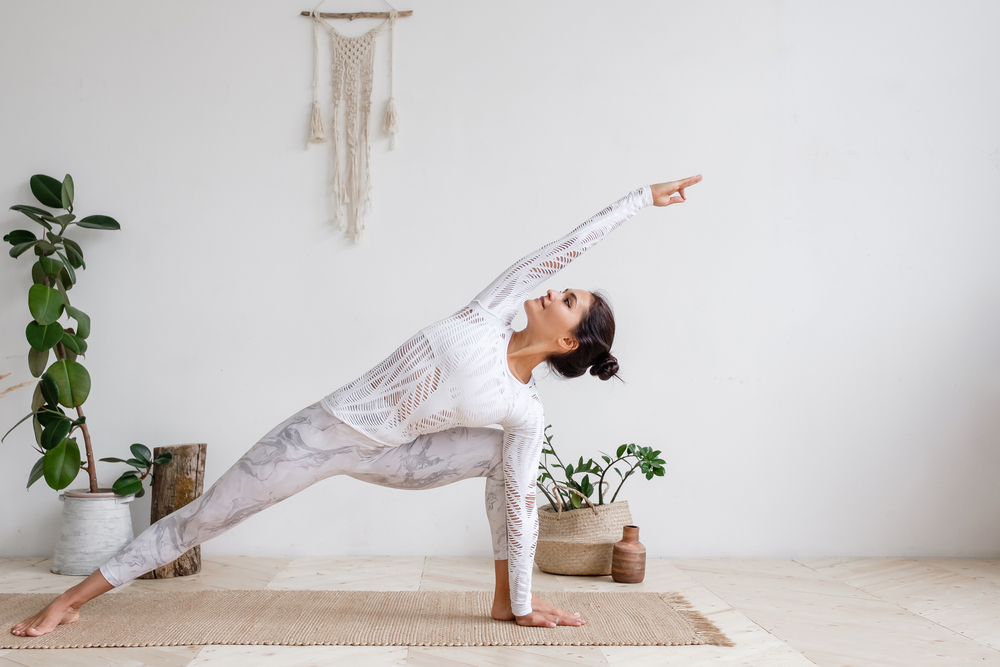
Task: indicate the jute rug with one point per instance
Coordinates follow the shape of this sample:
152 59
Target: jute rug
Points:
357 618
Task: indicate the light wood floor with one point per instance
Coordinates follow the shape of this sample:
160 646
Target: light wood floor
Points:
811 611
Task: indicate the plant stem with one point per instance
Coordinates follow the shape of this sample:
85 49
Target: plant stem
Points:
630 471
91 468
607 469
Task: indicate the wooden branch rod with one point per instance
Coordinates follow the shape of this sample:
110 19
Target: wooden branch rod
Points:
359 15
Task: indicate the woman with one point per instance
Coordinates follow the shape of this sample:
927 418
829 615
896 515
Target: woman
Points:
419 420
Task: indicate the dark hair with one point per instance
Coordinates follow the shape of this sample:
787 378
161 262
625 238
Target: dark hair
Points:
595 334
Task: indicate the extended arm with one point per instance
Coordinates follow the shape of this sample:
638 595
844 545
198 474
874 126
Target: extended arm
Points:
504 295
522 448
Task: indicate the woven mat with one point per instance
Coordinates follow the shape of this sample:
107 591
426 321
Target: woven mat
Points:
357 618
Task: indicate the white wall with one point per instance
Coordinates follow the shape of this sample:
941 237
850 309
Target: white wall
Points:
813 339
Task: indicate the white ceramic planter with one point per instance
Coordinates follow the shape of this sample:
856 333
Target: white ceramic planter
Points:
95 526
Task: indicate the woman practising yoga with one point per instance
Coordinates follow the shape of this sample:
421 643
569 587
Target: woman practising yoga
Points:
420 419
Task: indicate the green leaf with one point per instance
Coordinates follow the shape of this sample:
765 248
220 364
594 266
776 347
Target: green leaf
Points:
67 191
112 459
37 360
141 452
55 433
47 190
68 267
37 399
37 275
127 485
45 304
65 218
47 416
73 248
82 321
19 236
74 259
44 248
99 222
165 457
137 463
39 215
73 381
569 471
27 416
74 343
20 249
64 284
50 266
62 464
36 472
43 338
621 450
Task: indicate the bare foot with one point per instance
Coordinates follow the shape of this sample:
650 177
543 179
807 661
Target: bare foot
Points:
57 613
543 614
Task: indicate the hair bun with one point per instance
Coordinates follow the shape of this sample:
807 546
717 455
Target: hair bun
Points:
605 368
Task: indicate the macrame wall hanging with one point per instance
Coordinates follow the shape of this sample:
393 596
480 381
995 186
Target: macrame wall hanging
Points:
352 74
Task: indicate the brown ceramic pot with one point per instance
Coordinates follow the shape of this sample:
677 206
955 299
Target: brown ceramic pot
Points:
628 561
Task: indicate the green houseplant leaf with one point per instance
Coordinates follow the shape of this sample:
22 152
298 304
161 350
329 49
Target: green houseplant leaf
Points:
19 236
67 266
62 464
73 381
99 222
47 190
27 416
66 192
45 304
75 252
20 249
36 472
37 361
142 453
55 433
49 389
74 343
37 275
43 338
127 484
82 321
41 216
50 266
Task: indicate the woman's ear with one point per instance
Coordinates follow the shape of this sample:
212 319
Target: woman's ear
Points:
568 344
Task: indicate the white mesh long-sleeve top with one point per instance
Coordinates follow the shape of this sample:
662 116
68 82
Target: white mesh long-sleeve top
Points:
455 373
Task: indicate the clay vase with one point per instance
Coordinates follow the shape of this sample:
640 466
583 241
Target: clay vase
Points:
628 560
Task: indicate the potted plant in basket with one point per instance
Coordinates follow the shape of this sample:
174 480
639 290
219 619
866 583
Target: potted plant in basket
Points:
65 384
575 535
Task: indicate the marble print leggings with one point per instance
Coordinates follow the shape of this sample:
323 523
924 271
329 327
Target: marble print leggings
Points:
309 446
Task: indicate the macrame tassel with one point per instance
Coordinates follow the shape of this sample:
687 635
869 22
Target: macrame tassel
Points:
316 133
391 124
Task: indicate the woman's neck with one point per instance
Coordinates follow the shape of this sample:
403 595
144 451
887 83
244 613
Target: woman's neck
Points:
524 353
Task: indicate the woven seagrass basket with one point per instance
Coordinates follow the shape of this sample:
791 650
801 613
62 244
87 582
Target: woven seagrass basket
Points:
580 541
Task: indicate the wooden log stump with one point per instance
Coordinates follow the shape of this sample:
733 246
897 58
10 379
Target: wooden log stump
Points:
174 486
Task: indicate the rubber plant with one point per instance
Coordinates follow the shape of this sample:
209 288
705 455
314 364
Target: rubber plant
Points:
66 382
644 459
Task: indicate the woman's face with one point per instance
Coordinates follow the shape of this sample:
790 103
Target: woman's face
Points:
557 314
